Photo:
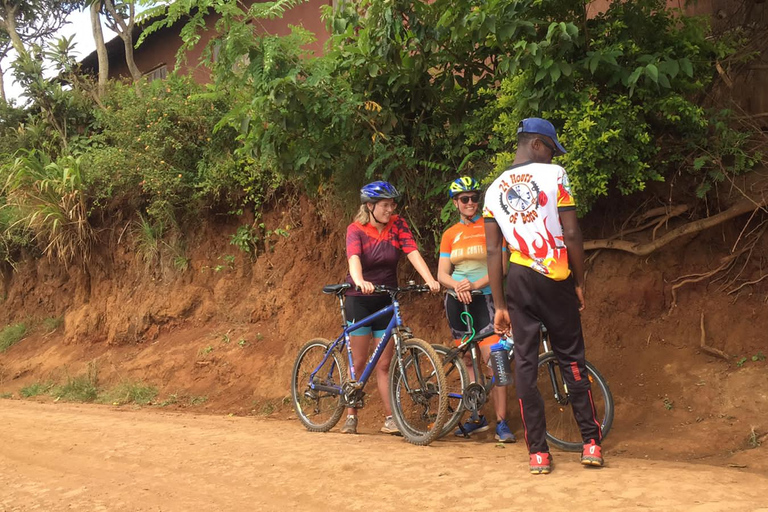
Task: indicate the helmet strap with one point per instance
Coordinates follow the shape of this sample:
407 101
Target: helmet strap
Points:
374 216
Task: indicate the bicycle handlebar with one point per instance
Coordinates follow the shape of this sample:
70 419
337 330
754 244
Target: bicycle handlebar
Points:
341 289
393 290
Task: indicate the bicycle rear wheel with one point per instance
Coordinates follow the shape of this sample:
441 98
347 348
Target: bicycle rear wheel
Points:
319 407
562 429
417 394
457 380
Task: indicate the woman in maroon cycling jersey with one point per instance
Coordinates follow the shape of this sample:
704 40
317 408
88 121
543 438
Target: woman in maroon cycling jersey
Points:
375 241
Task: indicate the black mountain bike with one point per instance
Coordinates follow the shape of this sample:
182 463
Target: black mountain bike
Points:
562 429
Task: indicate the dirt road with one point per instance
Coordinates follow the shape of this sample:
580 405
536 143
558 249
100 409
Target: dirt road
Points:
78 457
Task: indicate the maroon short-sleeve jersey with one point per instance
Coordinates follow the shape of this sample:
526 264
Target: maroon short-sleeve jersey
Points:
379 252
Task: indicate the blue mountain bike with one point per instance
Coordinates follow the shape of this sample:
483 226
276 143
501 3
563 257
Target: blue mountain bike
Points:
321 386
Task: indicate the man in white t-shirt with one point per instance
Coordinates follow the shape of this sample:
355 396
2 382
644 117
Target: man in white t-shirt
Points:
530 207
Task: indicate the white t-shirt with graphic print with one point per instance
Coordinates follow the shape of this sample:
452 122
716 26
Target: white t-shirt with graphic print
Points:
524 202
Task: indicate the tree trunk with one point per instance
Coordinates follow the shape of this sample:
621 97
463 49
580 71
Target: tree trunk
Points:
8 22
2 86
125 31
101 48
128 43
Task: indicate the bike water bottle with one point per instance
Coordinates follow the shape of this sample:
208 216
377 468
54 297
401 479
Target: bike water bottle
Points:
502 373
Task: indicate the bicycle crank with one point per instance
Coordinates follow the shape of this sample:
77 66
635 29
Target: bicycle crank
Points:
474 397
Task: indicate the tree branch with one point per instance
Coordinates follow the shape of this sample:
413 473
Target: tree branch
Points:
706 348
643 249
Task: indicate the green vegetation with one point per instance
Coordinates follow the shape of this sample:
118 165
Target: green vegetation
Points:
412 92
35 389
52 323
11 334
85 388
171 399
197 400
6 395
128 392
755 359
81 388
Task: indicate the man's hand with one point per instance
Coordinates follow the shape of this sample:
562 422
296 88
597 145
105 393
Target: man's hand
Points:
434 286
580 296
501 323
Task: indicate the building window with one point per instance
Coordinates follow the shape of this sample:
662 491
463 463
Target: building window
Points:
159 73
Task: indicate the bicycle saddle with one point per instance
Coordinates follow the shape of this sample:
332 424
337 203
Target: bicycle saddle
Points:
337 289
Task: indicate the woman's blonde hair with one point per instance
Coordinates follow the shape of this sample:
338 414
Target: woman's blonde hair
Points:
363 215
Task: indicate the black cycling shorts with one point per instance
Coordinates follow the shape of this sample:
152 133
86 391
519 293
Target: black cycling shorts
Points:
482 311
357 307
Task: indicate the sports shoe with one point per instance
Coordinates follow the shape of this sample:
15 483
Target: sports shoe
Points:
390 427
592 454
503 434
541 463
350 426
473 427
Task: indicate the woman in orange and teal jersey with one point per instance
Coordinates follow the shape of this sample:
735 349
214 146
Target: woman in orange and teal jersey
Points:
462 268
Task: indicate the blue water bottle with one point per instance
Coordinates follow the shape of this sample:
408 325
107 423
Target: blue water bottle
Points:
502 373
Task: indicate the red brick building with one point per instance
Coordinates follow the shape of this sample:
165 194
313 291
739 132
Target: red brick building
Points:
157 54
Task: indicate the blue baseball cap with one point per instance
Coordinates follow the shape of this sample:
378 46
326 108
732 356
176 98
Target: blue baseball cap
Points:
541 127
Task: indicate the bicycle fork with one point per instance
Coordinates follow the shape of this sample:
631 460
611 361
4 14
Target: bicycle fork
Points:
559 398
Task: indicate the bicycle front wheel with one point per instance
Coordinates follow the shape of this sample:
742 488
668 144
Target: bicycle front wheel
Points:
562 429
316 386
417 392
457 380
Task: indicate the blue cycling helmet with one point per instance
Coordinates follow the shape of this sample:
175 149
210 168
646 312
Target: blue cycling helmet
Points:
463 184
377 191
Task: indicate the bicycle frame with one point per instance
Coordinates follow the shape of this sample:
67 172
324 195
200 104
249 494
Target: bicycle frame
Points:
343 339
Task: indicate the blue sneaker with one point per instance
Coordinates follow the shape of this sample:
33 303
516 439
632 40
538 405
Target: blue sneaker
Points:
503 434
473 427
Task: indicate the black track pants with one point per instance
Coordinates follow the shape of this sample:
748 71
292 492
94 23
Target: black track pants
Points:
533 299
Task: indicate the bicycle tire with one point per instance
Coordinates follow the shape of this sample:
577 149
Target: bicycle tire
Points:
319 411
421 413
562 429
457 380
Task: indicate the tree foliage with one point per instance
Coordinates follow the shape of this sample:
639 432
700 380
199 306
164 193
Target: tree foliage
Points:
413 92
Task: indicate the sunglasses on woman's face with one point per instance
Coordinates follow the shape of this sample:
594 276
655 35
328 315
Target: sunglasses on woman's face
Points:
466 199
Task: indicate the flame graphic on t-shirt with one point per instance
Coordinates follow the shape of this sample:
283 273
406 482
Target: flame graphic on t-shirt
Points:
520 242
540 251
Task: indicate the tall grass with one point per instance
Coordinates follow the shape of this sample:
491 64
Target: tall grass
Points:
148 239
35 389
82 388
11 335
50 198
129 392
